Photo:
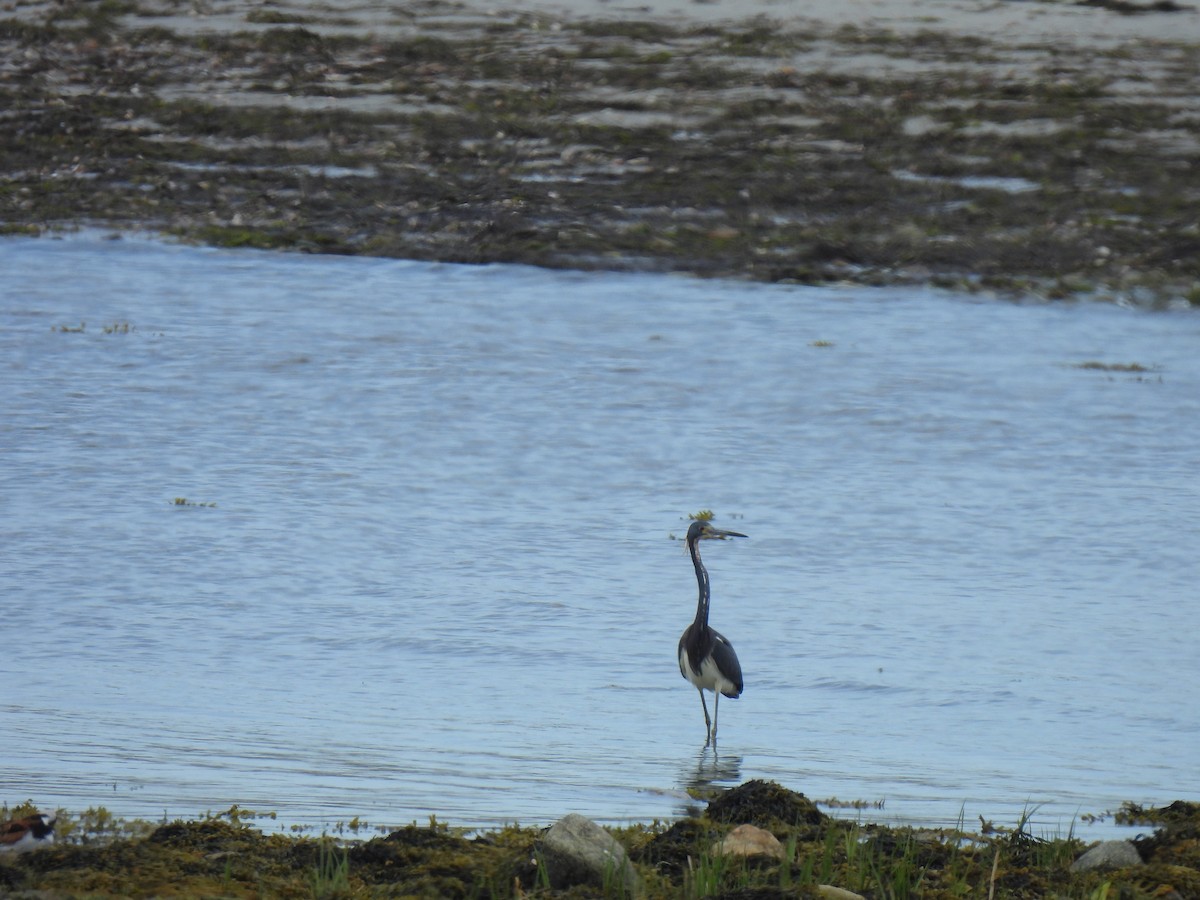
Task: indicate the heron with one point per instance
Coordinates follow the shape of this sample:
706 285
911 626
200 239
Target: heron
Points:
28 833
706 657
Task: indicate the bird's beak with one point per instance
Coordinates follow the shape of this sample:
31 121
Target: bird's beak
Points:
722 534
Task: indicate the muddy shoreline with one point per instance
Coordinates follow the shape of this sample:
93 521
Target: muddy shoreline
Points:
776 151
798 852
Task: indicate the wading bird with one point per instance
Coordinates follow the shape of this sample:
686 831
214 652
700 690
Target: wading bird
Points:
706 657
28 833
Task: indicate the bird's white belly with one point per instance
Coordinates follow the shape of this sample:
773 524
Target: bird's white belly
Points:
27 842
709 678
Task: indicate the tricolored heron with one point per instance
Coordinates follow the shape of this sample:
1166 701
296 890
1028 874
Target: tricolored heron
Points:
706 657
28 833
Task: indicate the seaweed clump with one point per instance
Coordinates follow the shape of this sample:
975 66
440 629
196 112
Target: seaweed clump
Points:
765 804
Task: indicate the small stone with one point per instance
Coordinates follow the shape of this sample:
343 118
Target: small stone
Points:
1108 855
749 840
829 892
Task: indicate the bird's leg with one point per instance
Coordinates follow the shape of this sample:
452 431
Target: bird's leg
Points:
716 709
707 723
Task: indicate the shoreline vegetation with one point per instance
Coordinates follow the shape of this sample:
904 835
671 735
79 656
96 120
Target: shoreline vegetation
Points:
791 152
758 840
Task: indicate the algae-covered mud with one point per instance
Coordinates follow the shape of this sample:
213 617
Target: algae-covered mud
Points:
801 853
781 151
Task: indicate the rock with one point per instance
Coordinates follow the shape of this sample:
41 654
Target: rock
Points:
749 840
578 851
829 892
1108 855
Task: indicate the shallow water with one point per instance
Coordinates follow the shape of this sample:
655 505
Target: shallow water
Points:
438 575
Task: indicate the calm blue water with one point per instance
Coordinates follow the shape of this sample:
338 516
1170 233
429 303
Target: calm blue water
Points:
439 578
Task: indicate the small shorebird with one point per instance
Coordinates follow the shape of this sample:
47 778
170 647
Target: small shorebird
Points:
28 833
706 657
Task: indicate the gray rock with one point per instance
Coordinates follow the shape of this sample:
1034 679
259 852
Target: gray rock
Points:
1108 855
578 851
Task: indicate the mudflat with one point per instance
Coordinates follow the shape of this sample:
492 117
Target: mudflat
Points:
1037 148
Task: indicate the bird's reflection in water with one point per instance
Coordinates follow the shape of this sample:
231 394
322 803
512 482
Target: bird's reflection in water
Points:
710 774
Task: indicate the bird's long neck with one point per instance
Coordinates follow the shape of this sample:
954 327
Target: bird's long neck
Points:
701 622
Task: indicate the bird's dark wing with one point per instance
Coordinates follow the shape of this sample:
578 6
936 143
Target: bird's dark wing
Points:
699 644
696 642
727 662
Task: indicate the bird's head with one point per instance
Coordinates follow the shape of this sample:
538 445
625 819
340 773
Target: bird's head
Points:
703 529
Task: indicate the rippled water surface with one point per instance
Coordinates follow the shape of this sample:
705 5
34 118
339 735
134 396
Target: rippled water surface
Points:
426 566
